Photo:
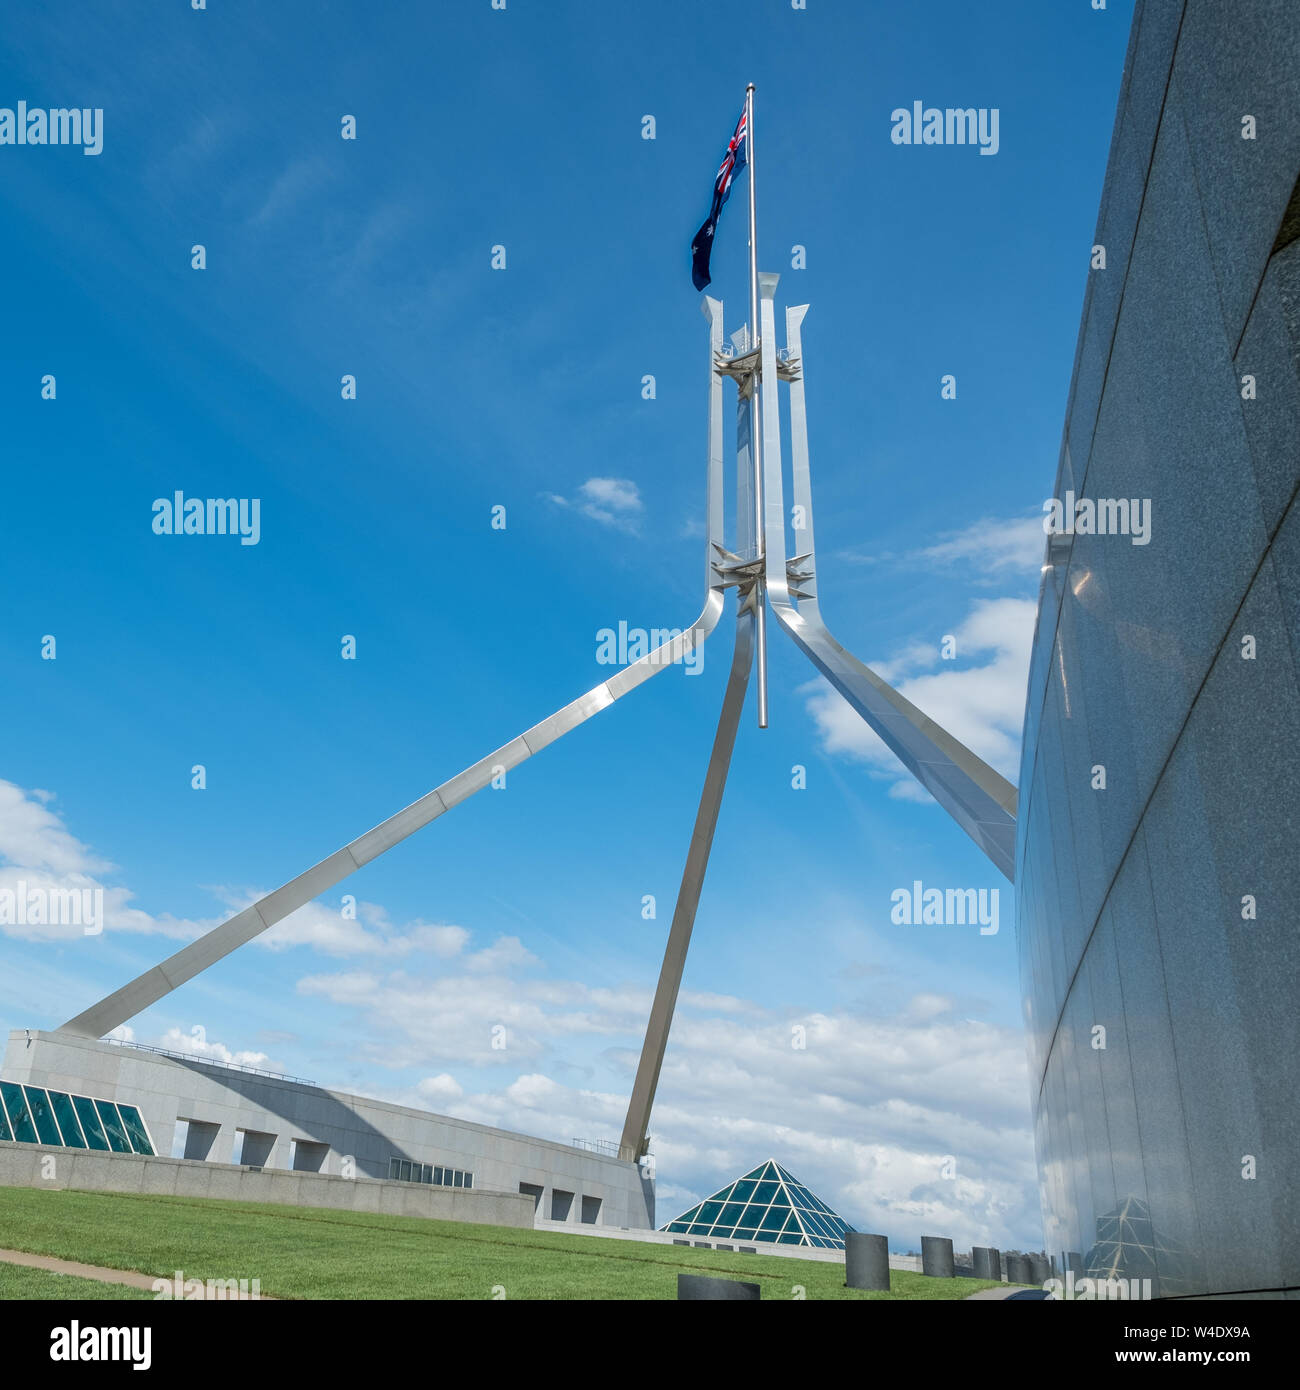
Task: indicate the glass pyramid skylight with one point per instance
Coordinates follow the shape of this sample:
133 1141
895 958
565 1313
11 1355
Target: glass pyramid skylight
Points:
769 1205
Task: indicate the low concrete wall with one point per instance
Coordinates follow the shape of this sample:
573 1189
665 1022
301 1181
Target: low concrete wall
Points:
27 1165
759 1247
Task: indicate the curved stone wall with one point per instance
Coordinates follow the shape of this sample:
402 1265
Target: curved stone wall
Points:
1158 859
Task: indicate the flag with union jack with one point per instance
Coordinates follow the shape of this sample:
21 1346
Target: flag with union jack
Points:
733 162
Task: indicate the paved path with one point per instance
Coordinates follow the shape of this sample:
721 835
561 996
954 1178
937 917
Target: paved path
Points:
105 1276
1007 1291
130 1278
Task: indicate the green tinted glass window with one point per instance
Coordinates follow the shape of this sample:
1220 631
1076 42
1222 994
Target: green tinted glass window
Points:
109 1118
6 1134
135 1130
707 1211
469 1179
775 1219
731 1213
67 1118
744 1190
19 1120
43 1116
90 1125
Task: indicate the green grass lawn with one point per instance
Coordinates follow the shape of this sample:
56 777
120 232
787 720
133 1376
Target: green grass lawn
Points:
305 1252
17 1282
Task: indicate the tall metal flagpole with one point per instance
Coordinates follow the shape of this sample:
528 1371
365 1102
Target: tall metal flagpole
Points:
755 431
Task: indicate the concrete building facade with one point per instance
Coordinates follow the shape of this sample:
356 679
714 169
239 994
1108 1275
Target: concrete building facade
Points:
1158 868
230 1116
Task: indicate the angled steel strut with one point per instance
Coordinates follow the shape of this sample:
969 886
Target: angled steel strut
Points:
154 984
979 799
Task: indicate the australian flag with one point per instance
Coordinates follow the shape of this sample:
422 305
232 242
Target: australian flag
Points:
733 162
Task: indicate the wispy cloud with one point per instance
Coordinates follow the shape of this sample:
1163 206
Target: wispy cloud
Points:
996 548
290 188
991 550
611 501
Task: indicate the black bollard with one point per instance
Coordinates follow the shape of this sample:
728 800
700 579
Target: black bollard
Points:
866 1261
936 1257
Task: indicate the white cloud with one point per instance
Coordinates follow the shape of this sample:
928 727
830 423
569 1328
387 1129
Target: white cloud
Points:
439 1090
39 855
867 1113
991 550
718 1003
982 704
196 1043
506 953
611 501
35 837
994 547
324 928
39 852
415 1020
928 1006
979 697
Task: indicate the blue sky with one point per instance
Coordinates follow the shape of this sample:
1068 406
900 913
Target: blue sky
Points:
522 388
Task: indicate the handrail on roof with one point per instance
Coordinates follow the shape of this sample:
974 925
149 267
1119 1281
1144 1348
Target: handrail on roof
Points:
211 1061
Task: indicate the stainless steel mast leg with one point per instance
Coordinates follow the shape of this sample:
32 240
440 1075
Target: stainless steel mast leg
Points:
633 1143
